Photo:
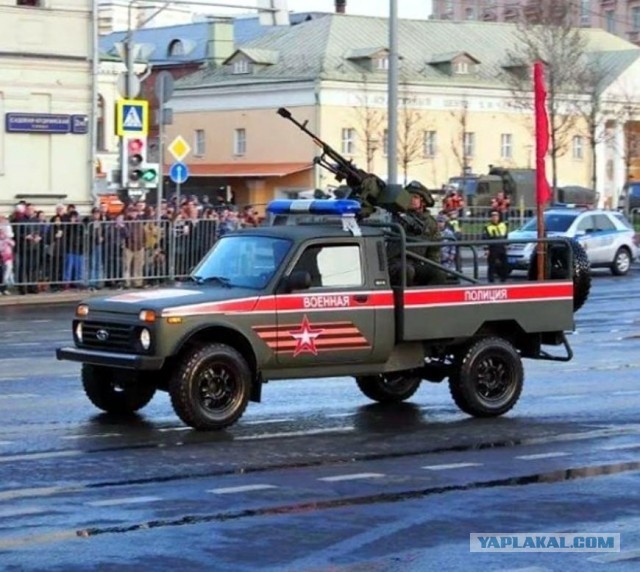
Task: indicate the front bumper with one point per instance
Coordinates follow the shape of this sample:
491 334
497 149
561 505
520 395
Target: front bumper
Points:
111 359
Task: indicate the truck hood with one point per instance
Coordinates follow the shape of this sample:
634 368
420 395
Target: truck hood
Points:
165 299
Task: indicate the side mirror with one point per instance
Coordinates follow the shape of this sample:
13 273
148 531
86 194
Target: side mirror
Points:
298 280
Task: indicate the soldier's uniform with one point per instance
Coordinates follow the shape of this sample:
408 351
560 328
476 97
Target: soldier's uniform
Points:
420 273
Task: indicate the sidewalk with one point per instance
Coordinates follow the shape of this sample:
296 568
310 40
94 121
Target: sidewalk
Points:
68 297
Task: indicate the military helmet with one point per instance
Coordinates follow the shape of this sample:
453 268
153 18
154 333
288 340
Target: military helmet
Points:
417 188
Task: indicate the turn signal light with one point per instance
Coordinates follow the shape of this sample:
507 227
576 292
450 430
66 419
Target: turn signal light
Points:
174 320
148 316
82 310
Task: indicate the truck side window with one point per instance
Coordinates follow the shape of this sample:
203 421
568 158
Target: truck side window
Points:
332 265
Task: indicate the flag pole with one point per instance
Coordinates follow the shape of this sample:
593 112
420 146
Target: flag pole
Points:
542 146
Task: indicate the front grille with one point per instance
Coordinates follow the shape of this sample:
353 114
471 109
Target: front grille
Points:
108 336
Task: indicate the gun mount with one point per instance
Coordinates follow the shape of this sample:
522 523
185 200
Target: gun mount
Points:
366 188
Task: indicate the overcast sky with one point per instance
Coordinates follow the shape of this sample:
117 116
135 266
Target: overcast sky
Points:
420 9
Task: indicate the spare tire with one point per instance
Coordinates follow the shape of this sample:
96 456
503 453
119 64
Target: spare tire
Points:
557 267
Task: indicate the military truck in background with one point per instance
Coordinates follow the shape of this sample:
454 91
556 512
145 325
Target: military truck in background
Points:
519 186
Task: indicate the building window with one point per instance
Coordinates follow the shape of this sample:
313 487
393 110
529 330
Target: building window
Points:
506 146
100 131
199 143
469 144
461 68
33 3
240 66
385 142
470 14
429 144
635 18
578 148
585 12
348 141
382 64
176 48
240 141
610 20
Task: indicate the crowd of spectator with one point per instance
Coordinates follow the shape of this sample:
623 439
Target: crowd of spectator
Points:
131 248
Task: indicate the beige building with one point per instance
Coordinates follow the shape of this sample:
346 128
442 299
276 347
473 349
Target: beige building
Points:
456 109
620 17
46 102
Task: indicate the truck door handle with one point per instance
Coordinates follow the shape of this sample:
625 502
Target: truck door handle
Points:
361 298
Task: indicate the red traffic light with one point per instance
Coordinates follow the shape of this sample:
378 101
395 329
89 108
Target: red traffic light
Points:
135 145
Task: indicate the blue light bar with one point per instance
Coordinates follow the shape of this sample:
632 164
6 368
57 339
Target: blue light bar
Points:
314 207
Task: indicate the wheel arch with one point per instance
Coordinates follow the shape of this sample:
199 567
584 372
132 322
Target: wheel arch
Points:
509 330
219 334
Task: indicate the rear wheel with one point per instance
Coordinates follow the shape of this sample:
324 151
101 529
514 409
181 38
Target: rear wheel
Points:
621 262
211 389
489 378
389 387
107 391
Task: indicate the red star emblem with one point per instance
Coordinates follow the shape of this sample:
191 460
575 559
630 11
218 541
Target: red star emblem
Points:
306 337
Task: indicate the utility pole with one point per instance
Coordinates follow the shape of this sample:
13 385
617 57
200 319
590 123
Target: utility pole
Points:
392 97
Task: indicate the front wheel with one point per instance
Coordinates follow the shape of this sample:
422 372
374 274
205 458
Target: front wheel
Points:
488 380
621 262
388 388
113 395
210 389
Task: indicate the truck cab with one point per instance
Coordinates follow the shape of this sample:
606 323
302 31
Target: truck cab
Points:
312 300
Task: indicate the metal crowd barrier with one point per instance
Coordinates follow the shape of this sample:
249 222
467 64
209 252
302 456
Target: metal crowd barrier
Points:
55 256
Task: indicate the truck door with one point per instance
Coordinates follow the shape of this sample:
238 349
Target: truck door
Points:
332 322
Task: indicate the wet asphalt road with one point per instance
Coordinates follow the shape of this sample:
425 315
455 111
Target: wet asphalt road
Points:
316 477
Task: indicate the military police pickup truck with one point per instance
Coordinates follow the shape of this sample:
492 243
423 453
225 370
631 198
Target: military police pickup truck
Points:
311 301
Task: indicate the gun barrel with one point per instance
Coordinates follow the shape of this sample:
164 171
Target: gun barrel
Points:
284 112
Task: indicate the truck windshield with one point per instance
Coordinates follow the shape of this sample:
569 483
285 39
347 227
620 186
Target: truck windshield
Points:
467 186
242 261
553 222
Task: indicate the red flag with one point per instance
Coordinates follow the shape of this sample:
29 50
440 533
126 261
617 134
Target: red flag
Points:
543 192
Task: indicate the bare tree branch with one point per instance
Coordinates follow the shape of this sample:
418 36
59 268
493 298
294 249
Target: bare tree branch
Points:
369 122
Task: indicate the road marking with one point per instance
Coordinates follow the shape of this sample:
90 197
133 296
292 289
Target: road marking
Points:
563 397
17 395
618 557
127 500
174 429
620 447
629 392
241 489
354 477
258 422
338 415
23 343
39 492
39 456
41 321
102 436
294 434
13 378
6 442
446 467
57 536
7 512
541 456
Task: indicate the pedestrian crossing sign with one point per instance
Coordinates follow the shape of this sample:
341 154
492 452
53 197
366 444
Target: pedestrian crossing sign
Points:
132 117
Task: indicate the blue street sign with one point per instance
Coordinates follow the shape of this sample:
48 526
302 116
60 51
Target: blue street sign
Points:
179 173
132 117
37 123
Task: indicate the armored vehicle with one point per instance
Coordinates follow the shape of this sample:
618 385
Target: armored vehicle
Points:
316 299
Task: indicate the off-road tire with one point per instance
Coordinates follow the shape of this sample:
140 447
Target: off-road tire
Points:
104 390
388 388
557 269
621 262
488 379
210 389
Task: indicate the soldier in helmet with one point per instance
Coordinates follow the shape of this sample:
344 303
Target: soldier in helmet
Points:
421 201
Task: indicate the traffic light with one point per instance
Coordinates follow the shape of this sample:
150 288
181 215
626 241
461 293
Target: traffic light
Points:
150 172
134 158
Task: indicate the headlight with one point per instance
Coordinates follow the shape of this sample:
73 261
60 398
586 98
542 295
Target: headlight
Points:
82 310
147 316
145 339
78 332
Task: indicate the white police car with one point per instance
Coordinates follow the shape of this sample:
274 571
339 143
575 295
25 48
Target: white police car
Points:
607 236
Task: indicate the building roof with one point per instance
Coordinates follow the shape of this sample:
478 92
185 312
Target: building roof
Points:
195 38
323 49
